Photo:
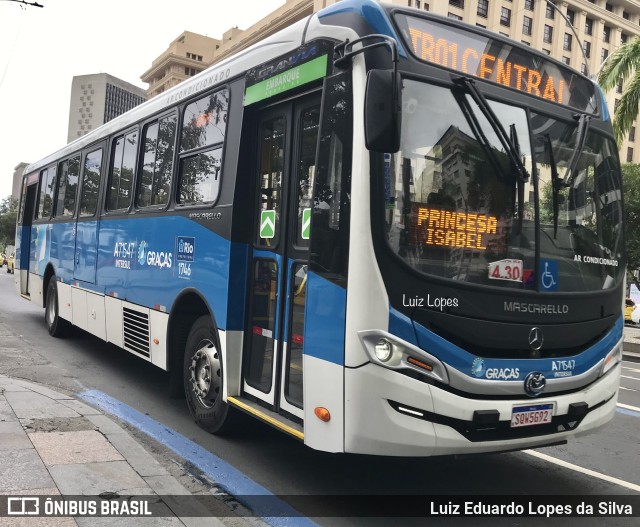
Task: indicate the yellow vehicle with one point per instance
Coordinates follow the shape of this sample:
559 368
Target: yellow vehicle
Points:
629 306
11 263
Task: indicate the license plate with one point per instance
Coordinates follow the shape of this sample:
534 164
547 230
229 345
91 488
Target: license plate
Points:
531 415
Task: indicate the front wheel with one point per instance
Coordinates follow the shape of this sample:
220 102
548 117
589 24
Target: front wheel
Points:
57 326
202 376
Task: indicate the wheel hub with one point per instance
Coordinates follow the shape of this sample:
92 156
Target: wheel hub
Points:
205 373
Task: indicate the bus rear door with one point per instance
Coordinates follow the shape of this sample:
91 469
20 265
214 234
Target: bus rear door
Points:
286 148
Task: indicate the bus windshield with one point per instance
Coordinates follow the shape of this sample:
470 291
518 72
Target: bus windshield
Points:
457 206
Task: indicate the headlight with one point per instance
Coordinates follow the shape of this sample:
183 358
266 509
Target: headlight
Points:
383 350
393 353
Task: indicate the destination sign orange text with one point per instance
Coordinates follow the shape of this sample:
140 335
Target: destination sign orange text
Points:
472 61
456 229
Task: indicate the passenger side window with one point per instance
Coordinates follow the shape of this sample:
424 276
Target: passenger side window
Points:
158 140
47 189
202 139
68 187
122 169
90 183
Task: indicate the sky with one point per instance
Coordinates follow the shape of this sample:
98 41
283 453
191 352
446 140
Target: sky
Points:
41 49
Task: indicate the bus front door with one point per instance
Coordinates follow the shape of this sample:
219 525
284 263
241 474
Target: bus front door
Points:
286 150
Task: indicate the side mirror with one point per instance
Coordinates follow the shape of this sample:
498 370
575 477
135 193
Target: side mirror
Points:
382 111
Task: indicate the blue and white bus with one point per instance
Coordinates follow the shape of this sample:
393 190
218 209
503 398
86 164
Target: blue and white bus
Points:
378 230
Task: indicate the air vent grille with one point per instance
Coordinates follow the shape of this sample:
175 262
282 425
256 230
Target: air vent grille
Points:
136 331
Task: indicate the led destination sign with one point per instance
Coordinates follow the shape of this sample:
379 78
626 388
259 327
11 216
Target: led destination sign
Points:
454 229
486 58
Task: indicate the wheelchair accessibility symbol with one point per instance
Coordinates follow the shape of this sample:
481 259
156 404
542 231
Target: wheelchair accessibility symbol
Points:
549 275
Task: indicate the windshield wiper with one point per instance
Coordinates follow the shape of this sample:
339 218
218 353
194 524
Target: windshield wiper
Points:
581 138
476 129
557 183
505 141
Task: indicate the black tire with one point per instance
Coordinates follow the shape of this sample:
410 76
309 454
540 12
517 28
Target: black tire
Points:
58 327
202 376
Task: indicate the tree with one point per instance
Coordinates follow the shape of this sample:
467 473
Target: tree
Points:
622 65
8 213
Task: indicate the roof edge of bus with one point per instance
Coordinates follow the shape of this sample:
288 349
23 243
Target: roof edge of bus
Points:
287 38
371 12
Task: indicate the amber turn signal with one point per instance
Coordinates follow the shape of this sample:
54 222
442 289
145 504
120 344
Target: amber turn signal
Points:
420 364
322 414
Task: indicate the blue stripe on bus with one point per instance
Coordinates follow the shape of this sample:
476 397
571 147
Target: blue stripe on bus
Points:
372 14
138 260
325 319
558 367
232 480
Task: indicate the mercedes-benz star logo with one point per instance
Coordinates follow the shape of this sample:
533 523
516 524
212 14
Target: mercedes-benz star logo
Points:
536 339
534 383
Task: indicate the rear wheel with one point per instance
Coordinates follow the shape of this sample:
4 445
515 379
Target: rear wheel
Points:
57 326
202 375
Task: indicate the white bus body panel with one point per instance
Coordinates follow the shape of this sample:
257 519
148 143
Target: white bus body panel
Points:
65 304
35 289
22 281
158 323
96 315
231 348
325 388
113 309
79 304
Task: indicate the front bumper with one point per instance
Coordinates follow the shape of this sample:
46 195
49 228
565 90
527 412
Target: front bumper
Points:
387 413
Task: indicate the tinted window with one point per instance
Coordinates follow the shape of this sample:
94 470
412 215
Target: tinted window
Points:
155 180
47 188
205 121
204 124
90 183
450 193
200 181
68 187
332 196
122 168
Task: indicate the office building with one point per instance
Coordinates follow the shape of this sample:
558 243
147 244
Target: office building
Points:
98 98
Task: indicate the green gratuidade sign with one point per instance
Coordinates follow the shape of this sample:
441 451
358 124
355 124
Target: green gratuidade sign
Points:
310 71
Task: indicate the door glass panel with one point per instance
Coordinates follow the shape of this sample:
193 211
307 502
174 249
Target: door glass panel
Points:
90 183
309 122
67 187
271 170
263 324
298 295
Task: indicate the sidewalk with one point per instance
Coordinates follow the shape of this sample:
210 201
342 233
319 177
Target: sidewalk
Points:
52 444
